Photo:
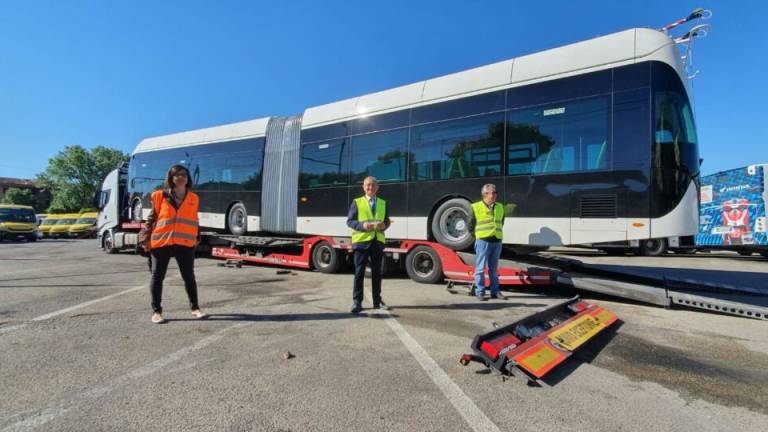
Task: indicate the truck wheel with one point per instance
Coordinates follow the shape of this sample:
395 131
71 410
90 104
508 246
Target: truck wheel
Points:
326 258
653 247
450 224
108 243
237 219
423 265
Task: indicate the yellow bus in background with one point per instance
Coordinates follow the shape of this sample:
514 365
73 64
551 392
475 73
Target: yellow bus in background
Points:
61 228
17 222
48 223
84 226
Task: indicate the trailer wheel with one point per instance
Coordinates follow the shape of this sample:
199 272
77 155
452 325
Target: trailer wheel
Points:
450 224
326 258
653 247
423 265
237 219
108 243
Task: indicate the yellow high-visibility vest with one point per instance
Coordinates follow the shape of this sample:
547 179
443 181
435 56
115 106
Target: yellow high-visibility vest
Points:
364 214
488 224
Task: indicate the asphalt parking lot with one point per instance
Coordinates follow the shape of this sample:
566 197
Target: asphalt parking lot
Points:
78 352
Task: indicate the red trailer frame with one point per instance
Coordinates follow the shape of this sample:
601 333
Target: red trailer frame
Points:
452 267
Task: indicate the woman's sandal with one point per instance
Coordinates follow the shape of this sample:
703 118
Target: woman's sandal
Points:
198 314
157 319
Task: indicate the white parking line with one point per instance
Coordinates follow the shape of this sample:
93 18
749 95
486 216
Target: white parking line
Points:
474 417
4 330
31 420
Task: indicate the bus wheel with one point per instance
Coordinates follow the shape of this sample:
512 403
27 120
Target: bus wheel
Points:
136 209
326 258
237 219
108 243
423 265
653 247
450 224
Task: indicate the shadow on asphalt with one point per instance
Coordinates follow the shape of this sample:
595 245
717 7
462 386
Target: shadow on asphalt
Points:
287 317
487 306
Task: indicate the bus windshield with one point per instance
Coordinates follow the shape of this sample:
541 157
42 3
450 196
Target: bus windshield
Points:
17 215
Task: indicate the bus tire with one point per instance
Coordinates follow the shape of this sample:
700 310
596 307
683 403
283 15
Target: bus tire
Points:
326 258
450 224
108 243
653 247
423 265
237 219
136 210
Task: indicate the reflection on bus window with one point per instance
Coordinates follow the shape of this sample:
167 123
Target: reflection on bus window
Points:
567 137
464 148
382 155
324 164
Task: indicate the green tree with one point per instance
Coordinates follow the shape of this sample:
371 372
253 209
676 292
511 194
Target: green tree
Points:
75 173
19 197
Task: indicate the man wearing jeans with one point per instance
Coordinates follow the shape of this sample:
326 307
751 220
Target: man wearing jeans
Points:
488 222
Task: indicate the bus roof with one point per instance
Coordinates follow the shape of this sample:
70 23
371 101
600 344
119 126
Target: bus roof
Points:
604 52
228 132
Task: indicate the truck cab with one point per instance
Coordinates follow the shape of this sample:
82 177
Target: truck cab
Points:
114 230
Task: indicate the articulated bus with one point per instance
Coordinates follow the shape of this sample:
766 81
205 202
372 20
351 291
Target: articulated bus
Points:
587 143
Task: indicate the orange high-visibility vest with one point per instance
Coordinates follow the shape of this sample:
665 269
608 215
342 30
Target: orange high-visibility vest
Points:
174 227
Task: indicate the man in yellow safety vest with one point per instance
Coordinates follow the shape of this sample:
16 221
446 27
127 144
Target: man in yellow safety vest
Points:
368 217
487 223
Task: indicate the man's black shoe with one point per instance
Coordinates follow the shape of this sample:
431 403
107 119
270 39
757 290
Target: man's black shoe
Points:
382 306
356 308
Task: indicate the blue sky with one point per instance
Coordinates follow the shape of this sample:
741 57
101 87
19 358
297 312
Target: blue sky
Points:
113 72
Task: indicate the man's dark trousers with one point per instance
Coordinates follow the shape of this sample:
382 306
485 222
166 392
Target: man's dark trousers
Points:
374 252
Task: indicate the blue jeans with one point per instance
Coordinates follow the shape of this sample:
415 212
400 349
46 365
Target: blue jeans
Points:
487 255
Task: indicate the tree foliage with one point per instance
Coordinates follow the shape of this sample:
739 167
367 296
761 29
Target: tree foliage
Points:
19 197
74 175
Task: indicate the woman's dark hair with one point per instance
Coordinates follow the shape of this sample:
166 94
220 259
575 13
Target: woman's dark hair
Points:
172 171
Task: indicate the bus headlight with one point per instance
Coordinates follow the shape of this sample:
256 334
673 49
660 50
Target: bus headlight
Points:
2 227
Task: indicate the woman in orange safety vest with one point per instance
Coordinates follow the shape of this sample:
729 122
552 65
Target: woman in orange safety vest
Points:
172 231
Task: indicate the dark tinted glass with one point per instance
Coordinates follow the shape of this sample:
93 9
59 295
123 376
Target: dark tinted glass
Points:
380 122
463 148
570 136
632 76
675 130
382 155
242 165
17 215
631 129
323 133
562 89
464 107
324 164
